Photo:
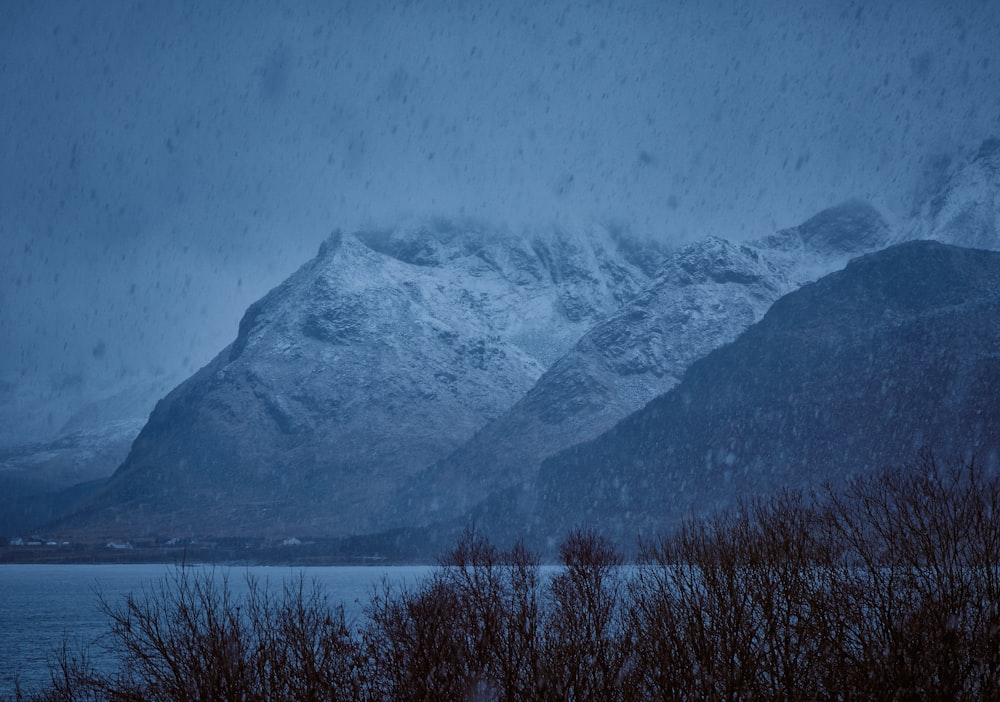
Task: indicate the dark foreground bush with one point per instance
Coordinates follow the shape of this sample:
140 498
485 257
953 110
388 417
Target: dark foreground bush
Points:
887 590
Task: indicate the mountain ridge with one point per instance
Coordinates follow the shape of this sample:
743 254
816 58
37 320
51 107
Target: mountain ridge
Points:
704 295
577 333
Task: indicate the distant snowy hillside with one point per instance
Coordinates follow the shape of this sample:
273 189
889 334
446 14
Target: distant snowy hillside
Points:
40 481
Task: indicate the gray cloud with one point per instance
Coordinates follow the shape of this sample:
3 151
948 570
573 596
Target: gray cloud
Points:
164 164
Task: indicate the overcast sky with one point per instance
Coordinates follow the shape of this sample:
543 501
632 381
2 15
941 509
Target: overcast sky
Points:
163 164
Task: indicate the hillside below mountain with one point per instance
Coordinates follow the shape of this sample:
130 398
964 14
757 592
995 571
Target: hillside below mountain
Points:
860 370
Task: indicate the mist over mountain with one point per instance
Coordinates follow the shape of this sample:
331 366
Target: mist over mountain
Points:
164 164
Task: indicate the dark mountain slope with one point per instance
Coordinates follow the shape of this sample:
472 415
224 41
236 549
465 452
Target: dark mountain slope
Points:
900 350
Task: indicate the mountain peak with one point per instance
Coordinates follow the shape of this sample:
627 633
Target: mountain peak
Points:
965 209
844 230
430 242
330 244
989 151
848 228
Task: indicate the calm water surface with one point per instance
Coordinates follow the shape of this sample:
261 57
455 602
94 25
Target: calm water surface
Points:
42 605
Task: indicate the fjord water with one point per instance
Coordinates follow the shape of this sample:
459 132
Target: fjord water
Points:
43 605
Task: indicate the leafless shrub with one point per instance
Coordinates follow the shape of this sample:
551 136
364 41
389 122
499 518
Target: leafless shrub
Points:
71 677
885 590
470 632
586 645
916 583
415 647
732 607
190 638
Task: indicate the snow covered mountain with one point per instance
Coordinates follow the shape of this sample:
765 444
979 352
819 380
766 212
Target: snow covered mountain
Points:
404 376
705 295
382 355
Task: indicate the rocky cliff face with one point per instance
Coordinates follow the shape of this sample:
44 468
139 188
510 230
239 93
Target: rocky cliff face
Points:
380 356
859 370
